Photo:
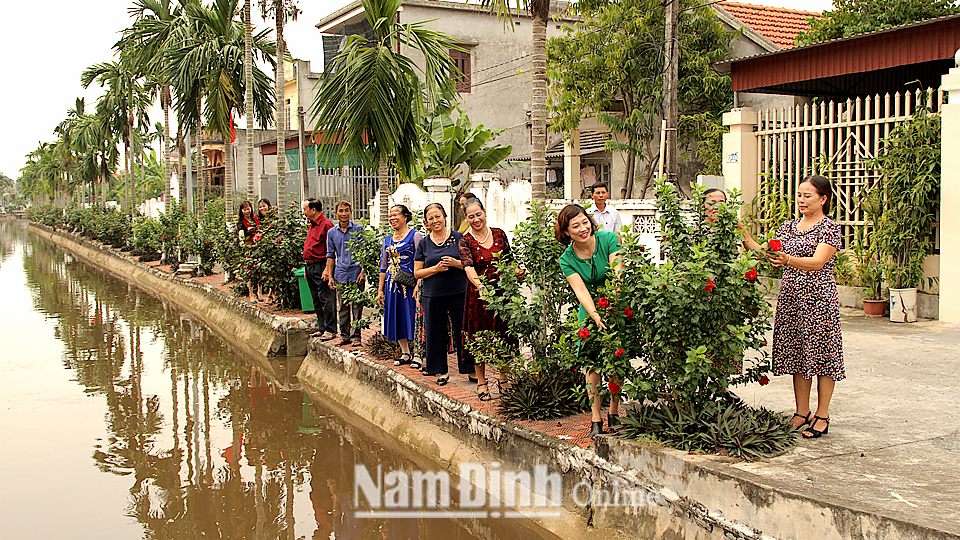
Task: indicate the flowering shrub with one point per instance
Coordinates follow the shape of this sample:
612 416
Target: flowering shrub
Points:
200 236
146 242
696 315
174 225
270 261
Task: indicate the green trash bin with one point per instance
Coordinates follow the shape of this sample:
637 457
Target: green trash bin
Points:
306 301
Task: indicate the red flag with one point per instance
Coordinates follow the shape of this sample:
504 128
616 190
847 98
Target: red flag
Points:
233 134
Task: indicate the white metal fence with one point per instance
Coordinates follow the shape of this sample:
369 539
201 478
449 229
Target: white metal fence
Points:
834 139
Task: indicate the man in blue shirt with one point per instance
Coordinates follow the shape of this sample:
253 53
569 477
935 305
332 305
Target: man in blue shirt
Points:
344 270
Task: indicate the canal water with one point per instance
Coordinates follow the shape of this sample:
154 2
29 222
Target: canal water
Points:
126 418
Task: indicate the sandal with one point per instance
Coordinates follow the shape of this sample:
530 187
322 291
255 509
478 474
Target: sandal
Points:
485 395
401 362
806 419
442 380
811 433
415 363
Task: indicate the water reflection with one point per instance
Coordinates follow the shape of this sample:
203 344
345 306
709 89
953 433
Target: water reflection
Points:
207 443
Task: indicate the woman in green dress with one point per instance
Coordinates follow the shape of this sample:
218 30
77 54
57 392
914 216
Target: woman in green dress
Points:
590 256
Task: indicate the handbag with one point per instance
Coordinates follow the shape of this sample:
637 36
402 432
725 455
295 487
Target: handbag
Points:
402 277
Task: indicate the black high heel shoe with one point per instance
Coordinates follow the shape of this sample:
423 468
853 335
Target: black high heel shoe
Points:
811 433
613 422
596 428
806 419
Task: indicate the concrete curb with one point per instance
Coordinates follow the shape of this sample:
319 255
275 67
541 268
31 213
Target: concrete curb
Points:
254 330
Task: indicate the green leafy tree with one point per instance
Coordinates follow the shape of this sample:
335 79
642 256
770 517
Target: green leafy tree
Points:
533 305
851 17
373 104
611 67
910 193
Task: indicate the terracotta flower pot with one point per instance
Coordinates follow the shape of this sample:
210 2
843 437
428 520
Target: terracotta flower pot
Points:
874 308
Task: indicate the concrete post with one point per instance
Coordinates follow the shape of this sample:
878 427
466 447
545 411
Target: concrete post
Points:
740 152
950 198
440 190
572 186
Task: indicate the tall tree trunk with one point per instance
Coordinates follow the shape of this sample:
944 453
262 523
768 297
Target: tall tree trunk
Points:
229 193
281 104
198 205
168 168
248 95
229 177
383 178
538 151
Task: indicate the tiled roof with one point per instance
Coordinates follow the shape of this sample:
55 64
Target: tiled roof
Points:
779 25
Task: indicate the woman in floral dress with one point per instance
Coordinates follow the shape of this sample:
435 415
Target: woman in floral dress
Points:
806 335
477 252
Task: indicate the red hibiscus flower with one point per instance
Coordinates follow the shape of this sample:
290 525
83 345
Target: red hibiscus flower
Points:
709 286
628 312
278 240
584 333
619 352
775 245
613 387
751 275
764 381
603 302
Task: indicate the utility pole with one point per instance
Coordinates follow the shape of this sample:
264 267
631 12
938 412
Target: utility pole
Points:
304 166
671 75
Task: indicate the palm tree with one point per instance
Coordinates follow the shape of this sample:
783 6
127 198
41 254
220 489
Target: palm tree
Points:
374 103
248 94
281 10
124 102
153 31
539 12
208 64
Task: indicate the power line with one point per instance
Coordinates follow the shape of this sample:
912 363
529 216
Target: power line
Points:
501 76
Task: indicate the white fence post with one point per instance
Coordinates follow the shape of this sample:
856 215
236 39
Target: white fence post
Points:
950 198
740 157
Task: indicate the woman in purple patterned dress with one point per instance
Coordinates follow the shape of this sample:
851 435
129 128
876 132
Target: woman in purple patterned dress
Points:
806 334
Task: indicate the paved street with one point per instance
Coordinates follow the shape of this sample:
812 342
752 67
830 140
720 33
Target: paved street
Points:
894 440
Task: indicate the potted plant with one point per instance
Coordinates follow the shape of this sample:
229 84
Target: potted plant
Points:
866 252
870 272
910 190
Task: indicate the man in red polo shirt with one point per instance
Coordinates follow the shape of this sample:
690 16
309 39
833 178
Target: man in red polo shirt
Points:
318 278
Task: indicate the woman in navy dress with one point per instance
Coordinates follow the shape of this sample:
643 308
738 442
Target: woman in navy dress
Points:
437 263
398 302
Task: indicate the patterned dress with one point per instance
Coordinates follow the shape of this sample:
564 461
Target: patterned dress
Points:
399 306
806 331
476 316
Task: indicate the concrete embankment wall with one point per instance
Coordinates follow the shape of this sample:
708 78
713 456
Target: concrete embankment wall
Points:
240 323
681 496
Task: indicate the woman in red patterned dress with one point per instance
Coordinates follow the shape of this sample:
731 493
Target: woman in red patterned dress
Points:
477 251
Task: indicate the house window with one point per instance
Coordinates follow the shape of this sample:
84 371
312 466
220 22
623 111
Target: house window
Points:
461 61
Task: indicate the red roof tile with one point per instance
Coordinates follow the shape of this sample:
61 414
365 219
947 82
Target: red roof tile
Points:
779 25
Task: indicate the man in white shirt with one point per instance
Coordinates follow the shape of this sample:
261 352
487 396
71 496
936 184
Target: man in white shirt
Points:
606 216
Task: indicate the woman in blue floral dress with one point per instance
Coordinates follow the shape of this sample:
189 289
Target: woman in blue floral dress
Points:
399 302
